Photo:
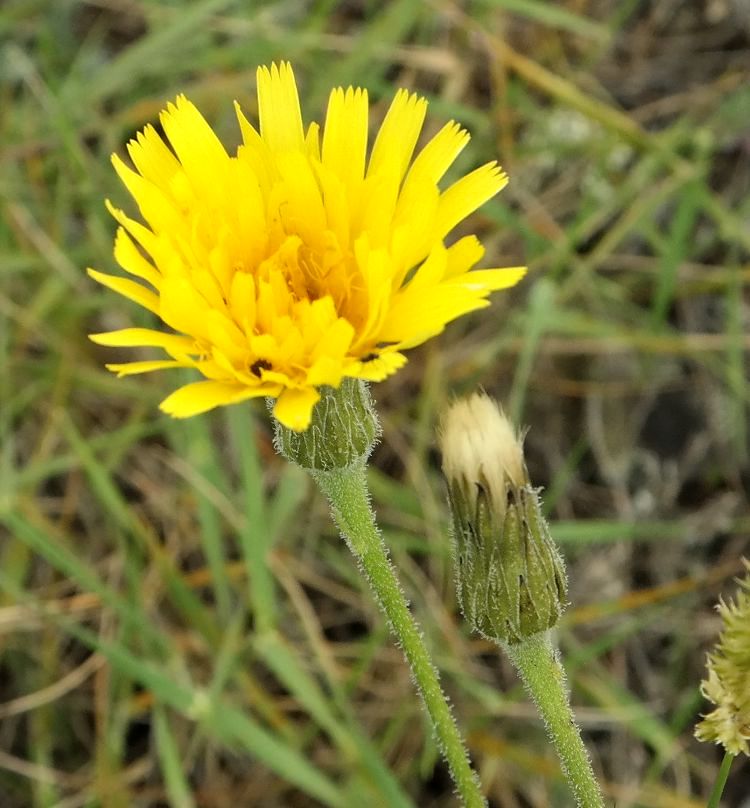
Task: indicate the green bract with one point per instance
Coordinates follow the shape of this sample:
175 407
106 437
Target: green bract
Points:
510 577
342 431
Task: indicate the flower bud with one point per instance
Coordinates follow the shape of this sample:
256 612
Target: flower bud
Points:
342 431
728 682
510 577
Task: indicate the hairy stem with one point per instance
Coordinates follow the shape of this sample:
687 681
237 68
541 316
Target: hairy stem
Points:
348 494
543 676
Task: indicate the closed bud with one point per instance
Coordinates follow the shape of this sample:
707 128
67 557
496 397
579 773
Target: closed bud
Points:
510 576
342 431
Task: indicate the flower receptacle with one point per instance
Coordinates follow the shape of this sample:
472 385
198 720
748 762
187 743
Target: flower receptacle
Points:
342 432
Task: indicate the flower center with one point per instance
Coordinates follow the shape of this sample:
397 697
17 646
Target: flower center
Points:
311 272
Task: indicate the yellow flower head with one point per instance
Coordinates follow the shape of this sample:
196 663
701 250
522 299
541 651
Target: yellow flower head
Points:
298 261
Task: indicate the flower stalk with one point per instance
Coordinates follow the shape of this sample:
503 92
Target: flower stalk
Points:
538 665
510 577
347 492
334 450
714 801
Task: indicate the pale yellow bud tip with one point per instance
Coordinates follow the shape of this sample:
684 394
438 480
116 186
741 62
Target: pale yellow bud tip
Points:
478 442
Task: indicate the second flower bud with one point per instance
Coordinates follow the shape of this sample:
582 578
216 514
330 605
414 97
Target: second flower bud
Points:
510 576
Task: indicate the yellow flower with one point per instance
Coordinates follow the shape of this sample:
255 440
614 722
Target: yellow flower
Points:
298 261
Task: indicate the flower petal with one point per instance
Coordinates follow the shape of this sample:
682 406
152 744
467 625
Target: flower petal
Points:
278 108
198 397
127 288
146 366
131 260
439 154
467 194
146 338
184 308
153 158
398 135
377 369
294 407
345 137
200 152
489 280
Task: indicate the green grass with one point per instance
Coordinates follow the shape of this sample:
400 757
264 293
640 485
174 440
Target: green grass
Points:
179 623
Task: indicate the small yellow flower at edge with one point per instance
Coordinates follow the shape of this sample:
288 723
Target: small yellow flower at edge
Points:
727 685
298 261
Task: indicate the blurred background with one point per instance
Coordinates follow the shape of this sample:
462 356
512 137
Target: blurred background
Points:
179 623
